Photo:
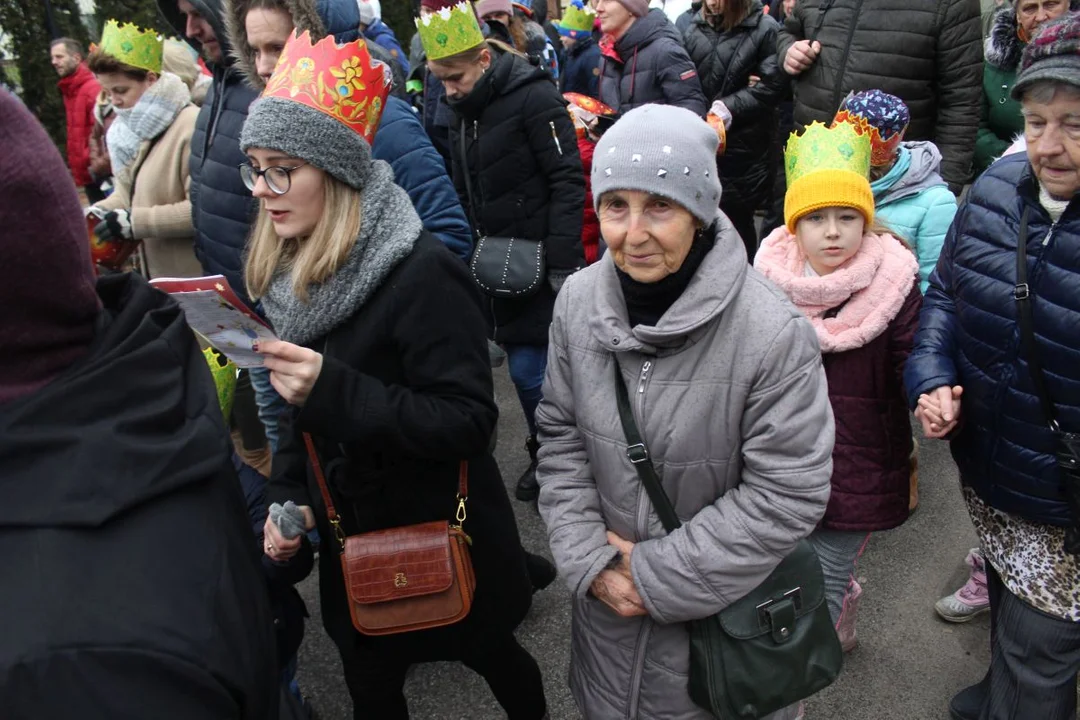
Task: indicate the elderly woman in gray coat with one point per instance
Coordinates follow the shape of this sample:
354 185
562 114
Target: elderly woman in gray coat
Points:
727 388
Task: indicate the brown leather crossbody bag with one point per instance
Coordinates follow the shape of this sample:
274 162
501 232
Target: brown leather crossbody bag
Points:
406 578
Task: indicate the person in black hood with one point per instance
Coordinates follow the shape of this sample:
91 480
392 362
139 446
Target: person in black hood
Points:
733 46
517 170
222 209
131 586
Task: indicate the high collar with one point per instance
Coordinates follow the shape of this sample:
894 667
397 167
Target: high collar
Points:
714 286
71 84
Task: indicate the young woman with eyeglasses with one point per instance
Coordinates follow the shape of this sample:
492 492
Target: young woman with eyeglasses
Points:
383 358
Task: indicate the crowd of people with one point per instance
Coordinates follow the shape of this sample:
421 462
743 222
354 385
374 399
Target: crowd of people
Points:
744 258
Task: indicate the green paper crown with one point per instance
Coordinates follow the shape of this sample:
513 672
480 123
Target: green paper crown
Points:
132 46
449 31
577 18
840 147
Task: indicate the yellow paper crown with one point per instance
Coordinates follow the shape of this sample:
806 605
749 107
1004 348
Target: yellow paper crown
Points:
827 167
343 81
577 19
449 31
132 46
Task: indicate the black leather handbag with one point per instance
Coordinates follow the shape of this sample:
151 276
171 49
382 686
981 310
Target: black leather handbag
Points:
764 652
502 267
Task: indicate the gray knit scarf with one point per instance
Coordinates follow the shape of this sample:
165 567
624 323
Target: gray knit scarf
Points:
388 231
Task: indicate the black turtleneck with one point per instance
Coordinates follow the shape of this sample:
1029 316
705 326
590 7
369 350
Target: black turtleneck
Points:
646 303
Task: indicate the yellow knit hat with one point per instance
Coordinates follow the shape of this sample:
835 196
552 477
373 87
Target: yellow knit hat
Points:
827 167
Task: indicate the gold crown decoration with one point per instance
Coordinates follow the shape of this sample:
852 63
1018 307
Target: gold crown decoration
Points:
143 49
577 22
449 31
342 81
840 147
827 167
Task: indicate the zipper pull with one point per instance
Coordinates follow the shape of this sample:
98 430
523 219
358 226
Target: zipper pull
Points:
644 375
555 137
1049 234
475 129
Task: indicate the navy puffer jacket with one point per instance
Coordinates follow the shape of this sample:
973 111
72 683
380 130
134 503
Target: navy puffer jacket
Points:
969 336
222 208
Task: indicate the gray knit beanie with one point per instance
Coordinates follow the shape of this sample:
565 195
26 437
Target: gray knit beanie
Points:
661 149
1052 55
306 133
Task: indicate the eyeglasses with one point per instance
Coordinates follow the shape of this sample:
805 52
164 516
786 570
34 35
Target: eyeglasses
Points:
277 178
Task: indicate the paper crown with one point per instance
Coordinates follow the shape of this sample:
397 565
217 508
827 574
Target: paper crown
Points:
132 46
839 147
449 31
577 22
881 117
342 81
827 167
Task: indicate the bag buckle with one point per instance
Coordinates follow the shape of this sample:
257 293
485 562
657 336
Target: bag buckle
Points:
637 453
1021 292
764 617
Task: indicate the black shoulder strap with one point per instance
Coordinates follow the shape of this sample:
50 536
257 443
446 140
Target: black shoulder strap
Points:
468 181
1022 294
638 455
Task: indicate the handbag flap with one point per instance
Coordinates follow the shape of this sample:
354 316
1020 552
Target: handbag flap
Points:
797 581
398 563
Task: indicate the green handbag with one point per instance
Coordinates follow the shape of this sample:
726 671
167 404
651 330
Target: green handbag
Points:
770 649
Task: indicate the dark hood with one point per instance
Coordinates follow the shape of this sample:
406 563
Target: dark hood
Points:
212 10
135 419
645 30
509 71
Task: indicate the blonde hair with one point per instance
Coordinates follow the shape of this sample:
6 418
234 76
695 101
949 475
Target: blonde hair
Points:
310 260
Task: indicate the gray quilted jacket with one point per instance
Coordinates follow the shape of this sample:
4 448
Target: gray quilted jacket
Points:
729 393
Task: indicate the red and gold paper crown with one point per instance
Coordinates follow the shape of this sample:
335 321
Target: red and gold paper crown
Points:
343 81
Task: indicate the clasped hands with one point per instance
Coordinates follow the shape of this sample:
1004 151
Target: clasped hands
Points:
939 411
614 586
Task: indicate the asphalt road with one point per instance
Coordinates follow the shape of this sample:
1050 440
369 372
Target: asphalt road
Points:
907 665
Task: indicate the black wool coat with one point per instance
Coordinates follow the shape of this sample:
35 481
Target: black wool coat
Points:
132 586
404 394
514 138
725 60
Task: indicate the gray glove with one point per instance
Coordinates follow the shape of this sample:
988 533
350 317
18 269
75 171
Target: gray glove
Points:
288 518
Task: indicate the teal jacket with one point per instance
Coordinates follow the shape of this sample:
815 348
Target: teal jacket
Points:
915 203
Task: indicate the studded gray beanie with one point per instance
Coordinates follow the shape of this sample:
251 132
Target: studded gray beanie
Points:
303 132
664 150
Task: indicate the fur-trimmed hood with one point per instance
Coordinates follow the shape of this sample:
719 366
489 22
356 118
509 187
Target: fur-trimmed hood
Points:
340 18
1003 47
305 17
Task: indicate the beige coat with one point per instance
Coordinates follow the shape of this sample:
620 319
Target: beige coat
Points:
160 208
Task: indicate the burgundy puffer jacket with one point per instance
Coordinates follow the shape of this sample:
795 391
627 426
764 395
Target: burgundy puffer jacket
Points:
870 480
865 314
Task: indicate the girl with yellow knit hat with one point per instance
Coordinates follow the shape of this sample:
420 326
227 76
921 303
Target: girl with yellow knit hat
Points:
858 285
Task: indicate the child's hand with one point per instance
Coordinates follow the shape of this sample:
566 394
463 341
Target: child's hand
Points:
939 411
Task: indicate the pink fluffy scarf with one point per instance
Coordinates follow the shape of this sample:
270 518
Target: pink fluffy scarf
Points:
871 286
